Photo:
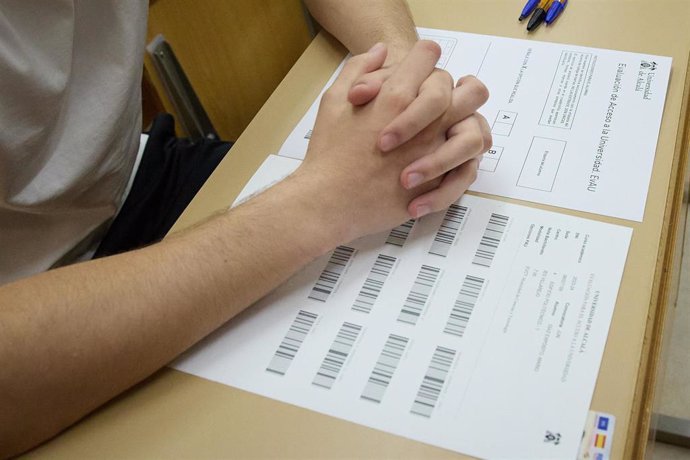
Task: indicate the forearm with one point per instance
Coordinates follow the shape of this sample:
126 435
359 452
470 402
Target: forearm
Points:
359 24
70 339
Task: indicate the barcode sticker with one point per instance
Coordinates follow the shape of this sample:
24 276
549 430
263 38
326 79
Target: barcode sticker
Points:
291 343
374 283
419 294
445 236
432 384
328 280
399 234
385 367
309 133
464 304
337 355
490 240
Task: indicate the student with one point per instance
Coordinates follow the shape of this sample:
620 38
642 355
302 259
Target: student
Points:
72 338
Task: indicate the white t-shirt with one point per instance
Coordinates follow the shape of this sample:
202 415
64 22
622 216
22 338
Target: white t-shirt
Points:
70 118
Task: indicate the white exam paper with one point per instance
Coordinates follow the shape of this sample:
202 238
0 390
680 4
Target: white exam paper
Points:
573 127
484 338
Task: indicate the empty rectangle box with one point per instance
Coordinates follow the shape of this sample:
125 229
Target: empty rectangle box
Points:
489 161
503 125
541 164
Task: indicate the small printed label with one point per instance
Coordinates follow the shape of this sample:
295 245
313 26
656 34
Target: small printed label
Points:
597 437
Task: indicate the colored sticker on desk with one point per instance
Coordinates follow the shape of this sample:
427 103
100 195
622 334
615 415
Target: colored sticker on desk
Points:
597 437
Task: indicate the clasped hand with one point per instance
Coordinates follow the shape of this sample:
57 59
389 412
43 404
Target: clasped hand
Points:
390 148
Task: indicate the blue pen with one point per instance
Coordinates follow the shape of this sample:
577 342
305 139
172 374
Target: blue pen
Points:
556 8
527 10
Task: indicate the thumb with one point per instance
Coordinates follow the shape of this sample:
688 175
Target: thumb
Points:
361 64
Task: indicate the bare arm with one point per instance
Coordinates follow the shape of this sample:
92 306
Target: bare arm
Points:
72 338
359 24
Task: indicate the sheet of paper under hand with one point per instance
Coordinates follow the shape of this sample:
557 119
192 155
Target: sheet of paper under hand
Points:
573 127
486 320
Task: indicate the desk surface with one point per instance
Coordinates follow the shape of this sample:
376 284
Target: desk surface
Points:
177 415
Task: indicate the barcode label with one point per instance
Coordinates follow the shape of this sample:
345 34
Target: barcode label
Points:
448 230
337 355
490 240
464 304
374 283
385 367
290 345
419 294
432 384
399 234
330 275
309 133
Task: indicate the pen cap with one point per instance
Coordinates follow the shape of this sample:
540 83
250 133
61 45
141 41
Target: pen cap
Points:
555 10
536 19
529 7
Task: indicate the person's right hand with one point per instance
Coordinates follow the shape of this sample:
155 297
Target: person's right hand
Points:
457 157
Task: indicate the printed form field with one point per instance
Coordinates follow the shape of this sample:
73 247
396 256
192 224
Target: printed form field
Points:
502 126
541 164
566 89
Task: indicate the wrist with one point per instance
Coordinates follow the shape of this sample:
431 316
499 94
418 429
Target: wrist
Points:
315 209
397 52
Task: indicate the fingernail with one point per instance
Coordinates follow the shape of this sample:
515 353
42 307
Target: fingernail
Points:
374 49
388 142
413 180
423 210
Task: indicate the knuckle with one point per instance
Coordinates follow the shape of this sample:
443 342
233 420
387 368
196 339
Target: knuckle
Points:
482 91
440 98
475 141
488 141
485 129
446 77
454 130
479 89
468 172
398 97
430 46
364 79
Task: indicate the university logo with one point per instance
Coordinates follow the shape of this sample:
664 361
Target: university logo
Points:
647 65
554 438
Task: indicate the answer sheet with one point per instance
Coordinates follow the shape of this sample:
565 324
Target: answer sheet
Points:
479 329
573 127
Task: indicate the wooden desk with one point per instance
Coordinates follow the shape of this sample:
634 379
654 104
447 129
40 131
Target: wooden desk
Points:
177 415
